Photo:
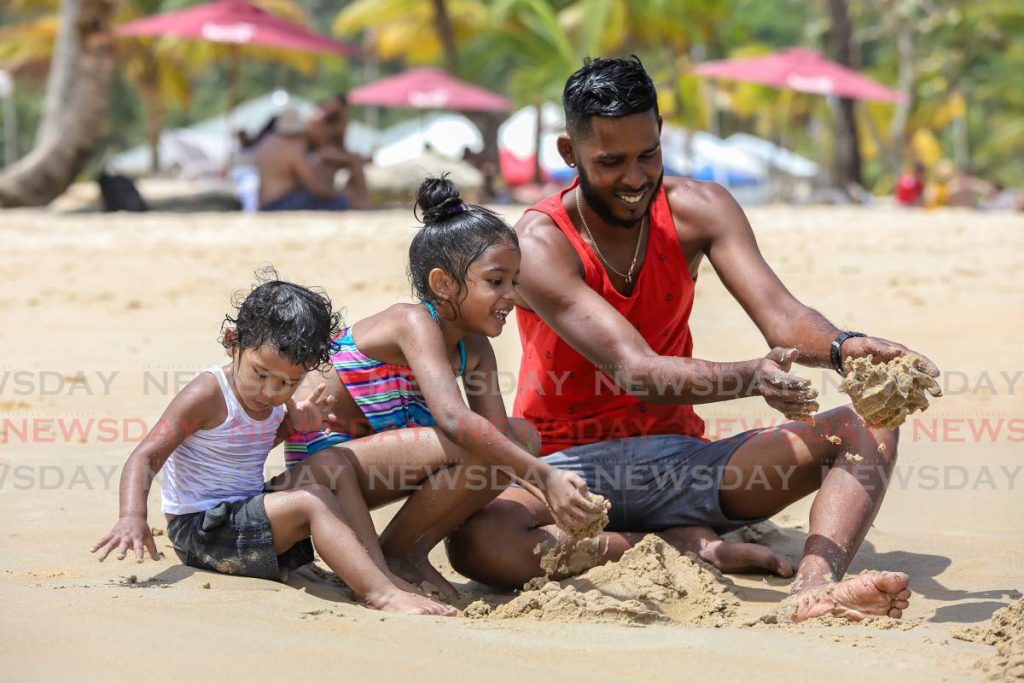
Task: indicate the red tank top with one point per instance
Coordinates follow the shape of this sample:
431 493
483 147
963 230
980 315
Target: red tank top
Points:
569 400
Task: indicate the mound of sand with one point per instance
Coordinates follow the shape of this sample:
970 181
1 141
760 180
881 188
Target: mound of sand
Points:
1006 632
652 582
884 394
580 550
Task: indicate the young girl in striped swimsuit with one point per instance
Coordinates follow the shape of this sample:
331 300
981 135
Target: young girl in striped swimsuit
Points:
396 404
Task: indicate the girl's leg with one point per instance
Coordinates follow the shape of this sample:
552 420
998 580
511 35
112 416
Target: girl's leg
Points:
444 483
315 511
336 470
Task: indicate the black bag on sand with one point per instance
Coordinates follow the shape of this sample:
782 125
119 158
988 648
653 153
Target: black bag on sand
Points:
119 193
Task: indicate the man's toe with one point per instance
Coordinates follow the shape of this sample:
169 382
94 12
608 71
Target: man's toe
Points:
893 583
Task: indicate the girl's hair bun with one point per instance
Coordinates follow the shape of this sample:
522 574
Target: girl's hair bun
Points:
437 200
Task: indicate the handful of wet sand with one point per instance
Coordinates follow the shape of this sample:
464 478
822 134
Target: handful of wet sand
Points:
579 532
884 394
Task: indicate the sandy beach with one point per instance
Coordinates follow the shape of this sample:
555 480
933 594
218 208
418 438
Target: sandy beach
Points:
105 316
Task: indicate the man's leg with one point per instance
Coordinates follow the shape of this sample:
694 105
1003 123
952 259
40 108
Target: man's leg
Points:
356 191
781 465
647 480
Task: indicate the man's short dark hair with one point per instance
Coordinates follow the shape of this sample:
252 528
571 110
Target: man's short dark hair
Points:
609 88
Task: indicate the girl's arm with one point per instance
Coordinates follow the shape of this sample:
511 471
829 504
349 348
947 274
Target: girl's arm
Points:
422 344
198 406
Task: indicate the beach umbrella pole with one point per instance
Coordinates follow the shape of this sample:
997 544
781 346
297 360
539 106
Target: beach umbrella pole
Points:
234 72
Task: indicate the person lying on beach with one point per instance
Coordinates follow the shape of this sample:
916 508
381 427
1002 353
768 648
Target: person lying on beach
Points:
297 163
608 376
212 442
397 370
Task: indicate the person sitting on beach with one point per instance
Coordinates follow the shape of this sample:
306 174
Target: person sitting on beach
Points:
910 186
328 124
396 371
297 164
212 442
608 378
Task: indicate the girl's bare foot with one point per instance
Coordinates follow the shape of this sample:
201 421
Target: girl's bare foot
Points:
396 600
419 570
870 594
726 556
405 585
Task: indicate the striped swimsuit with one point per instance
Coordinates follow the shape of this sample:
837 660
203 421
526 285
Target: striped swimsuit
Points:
383 391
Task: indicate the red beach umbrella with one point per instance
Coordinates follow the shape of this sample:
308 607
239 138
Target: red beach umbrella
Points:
427 88
801 70
234 22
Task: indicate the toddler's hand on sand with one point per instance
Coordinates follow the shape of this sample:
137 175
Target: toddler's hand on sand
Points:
130 533
789 394
565 495
314 413
883 351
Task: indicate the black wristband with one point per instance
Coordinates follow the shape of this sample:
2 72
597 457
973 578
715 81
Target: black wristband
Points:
835 354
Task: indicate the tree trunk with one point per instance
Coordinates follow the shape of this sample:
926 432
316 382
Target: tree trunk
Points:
54 163
63 65
847 145
154 127
485 121
898 130
446 34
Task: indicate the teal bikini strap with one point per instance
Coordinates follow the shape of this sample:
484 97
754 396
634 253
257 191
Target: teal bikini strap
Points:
462 344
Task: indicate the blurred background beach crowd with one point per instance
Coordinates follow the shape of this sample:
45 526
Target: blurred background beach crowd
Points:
915 102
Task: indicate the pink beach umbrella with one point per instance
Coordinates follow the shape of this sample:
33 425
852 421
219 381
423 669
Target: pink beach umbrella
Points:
427 88
801 70
238 24
234 22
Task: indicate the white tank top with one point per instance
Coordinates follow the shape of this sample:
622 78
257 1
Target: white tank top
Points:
223 464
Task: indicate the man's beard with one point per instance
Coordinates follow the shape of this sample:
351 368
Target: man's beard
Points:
603 209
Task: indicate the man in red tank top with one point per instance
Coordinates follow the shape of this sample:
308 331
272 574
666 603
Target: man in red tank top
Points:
608 377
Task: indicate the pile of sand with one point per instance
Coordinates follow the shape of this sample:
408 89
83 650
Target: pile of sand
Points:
652 582
1006 632
884 394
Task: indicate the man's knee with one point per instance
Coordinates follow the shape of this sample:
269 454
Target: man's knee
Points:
485 542
888 440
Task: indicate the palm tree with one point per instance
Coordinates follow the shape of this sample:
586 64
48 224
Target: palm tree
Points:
414 31
55 161
847 141
157 69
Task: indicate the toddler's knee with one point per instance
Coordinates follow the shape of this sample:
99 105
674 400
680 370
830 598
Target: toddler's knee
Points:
313 496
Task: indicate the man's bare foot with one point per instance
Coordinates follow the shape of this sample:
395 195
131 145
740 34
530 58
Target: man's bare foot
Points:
396 600
871 594
416 571
726 556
